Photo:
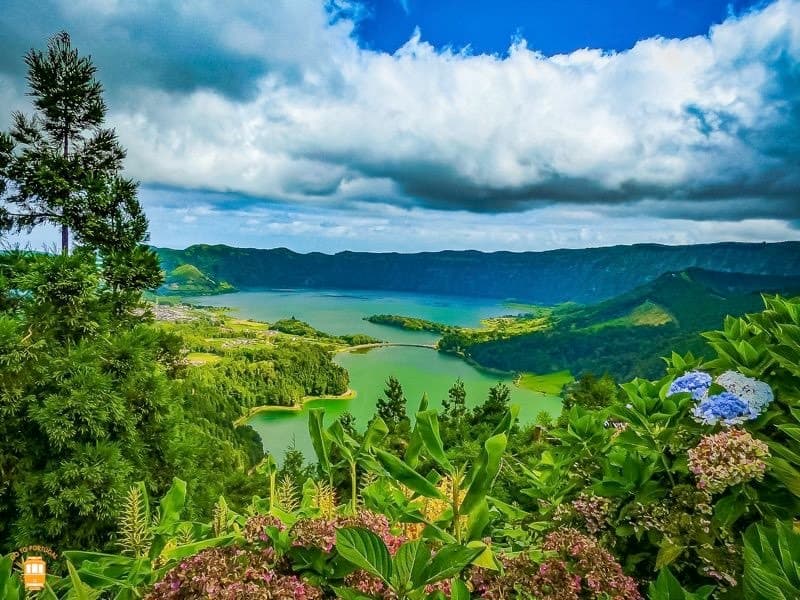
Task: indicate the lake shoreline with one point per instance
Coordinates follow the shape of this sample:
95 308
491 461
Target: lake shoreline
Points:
350 394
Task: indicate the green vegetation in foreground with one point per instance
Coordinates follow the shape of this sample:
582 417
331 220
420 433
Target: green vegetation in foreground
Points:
628 495
550 384
188 280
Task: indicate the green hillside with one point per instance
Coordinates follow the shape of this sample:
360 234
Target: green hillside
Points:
623 336
188 280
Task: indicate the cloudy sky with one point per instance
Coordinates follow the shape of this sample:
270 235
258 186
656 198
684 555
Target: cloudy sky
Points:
428 124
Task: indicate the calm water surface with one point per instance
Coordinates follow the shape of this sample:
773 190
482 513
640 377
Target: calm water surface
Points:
419 370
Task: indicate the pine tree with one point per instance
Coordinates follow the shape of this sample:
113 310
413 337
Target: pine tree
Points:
491 412
455 405
392 409
60 166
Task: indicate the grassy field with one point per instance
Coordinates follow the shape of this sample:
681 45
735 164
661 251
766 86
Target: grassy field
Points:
550 384
202 358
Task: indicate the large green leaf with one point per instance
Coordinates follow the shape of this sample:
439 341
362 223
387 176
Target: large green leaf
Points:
319 441
171 505
406 475
409 564
785 473
79 590
449 562
10 588
343 442
484 472
366 551
666 587
771 558
376 431
428 427
459 590
349 594
191 549
668 552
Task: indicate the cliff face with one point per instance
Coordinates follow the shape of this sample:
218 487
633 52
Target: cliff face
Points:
586 275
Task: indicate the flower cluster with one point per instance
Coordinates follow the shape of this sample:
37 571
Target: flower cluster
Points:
757 394
743 398
695 383
581 569
255 528
599 572
727 458
231 573
594 511
321 533
726 408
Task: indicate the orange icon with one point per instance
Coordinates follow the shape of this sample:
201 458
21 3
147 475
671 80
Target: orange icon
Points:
35 571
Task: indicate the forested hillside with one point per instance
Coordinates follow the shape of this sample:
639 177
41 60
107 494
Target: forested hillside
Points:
624 336
586 276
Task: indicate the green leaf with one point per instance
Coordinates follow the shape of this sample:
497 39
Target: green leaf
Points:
172 504
785 473
409 564
191 549
459 590
349 594
668 553
376 431
79 590
406 475
484 472
449 562
486 558
10 588
508 420
666 587
428 427
366 551
343 442
318 439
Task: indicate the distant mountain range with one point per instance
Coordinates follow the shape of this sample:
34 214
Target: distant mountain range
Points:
585 276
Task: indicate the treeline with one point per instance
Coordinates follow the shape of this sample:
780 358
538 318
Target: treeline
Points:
301 328
409 323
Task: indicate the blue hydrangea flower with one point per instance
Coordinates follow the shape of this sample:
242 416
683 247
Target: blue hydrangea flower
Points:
726 408
695 383
757 394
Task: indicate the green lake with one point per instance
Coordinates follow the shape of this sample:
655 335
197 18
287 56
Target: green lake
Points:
420 370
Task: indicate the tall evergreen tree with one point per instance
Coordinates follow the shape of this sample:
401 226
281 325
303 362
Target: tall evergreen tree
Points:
392 408
455 405
62 166
491 412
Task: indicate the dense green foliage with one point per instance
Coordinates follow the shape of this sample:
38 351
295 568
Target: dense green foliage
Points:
634 496
409 323
296 327
547 278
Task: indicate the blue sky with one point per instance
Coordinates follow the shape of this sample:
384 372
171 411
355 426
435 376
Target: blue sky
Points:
389 125
551 26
